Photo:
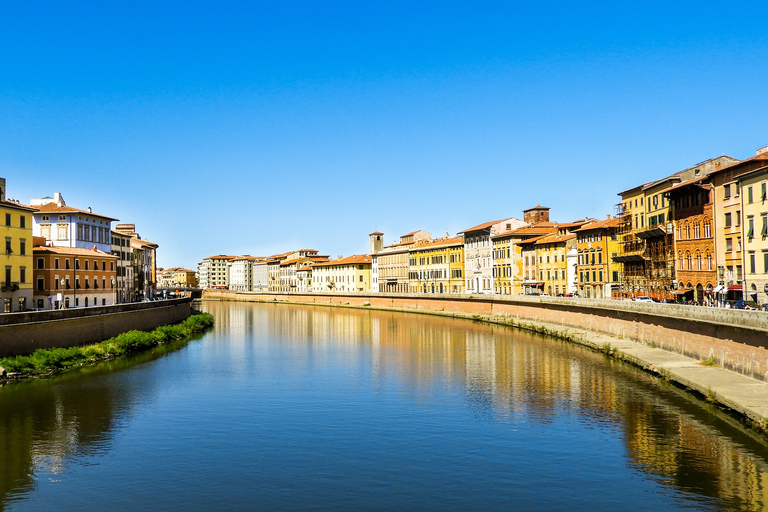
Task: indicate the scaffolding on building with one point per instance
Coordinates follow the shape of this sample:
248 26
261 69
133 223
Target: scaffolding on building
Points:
646 257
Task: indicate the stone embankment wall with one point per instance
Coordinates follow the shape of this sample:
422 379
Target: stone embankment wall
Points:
736 339
23 333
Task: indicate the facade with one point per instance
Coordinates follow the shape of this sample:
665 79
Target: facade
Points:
437 266
696 270
350 274
727 221
214 272
184 278
72 277
647 250
296 274
121 249
555 269
16 260
390 264
478 253
754 205
64 226
261 275
508 262
596 244
241 273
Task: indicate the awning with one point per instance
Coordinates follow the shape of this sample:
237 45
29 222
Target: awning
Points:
683 292
734 288
533 284
719 288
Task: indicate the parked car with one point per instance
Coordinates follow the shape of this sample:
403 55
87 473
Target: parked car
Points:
643 298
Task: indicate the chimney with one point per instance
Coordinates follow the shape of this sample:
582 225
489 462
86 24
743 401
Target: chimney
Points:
58 199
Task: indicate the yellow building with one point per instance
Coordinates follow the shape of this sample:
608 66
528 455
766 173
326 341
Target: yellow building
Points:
437 266
597 243
553 254
16 260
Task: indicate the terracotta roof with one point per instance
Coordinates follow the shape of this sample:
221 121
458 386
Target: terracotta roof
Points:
145 243
484 225
16 205
220 257
349 260
290 262
600 224
532 241
75 251
437 242
54 208
535 229
376 233
554 238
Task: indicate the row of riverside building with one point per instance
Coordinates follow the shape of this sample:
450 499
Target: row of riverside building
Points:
56 256
697 235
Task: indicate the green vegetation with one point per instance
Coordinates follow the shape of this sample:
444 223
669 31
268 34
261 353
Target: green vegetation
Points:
46 361
710 361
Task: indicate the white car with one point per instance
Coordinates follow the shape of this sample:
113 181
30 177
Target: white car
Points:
643 298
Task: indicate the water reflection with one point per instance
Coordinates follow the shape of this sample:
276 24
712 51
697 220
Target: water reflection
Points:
502 376
510 376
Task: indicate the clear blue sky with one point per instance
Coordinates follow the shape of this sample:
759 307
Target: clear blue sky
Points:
261 127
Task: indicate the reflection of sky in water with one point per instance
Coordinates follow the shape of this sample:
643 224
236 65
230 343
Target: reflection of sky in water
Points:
288 407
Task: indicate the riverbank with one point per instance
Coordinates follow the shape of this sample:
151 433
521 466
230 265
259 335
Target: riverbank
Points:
672 356
45 362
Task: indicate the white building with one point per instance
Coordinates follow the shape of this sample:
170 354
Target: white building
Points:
241 273
64 226
261 275
478 253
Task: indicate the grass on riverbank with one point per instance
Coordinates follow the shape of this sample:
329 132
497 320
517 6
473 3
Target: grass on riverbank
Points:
49 360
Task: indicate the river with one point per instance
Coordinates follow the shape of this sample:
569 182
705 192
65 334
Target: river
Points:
287 407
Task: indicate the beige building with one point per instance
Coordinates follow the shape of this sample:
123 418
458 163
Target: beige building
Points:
727 219
754 207
390 264
213 272
350 274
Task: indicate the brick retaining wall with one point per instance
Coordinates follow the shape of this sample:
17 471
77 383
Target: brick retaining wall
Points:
27 332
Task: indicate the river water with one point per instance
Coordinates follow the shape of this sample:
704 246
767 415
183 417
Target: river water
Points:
284 407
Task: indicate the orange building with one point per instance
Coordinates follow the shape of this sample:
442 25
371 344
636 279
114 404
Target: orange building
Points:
66 277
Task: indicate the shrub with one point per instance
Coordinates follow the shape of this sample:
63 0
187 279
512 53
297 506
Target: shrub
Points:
48 360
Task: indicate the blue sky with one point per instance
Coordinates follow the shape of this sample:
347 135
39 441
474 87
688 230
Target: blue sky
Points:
261 127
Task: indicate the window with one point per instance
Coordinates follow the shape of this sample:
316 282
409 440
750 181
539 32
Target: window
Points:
750 228
749 195
23 274
729 245
727 220
40 284
726 191
752 263
7 219
66 263
764 230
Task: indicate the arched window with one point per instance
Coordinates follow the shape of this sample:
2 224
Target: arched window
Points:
698 260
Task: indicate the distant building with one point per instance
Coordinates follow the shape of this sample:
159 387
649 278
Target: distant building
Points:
437 266
597 243
214 271
390 264
350 274
241 273
125 279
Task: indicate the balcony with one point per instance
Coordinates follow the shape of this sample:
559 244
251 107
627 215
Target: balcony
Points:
9 287
632 250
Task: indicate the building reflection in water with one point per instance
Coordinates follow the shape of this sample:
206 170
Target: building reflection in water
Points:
504 375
